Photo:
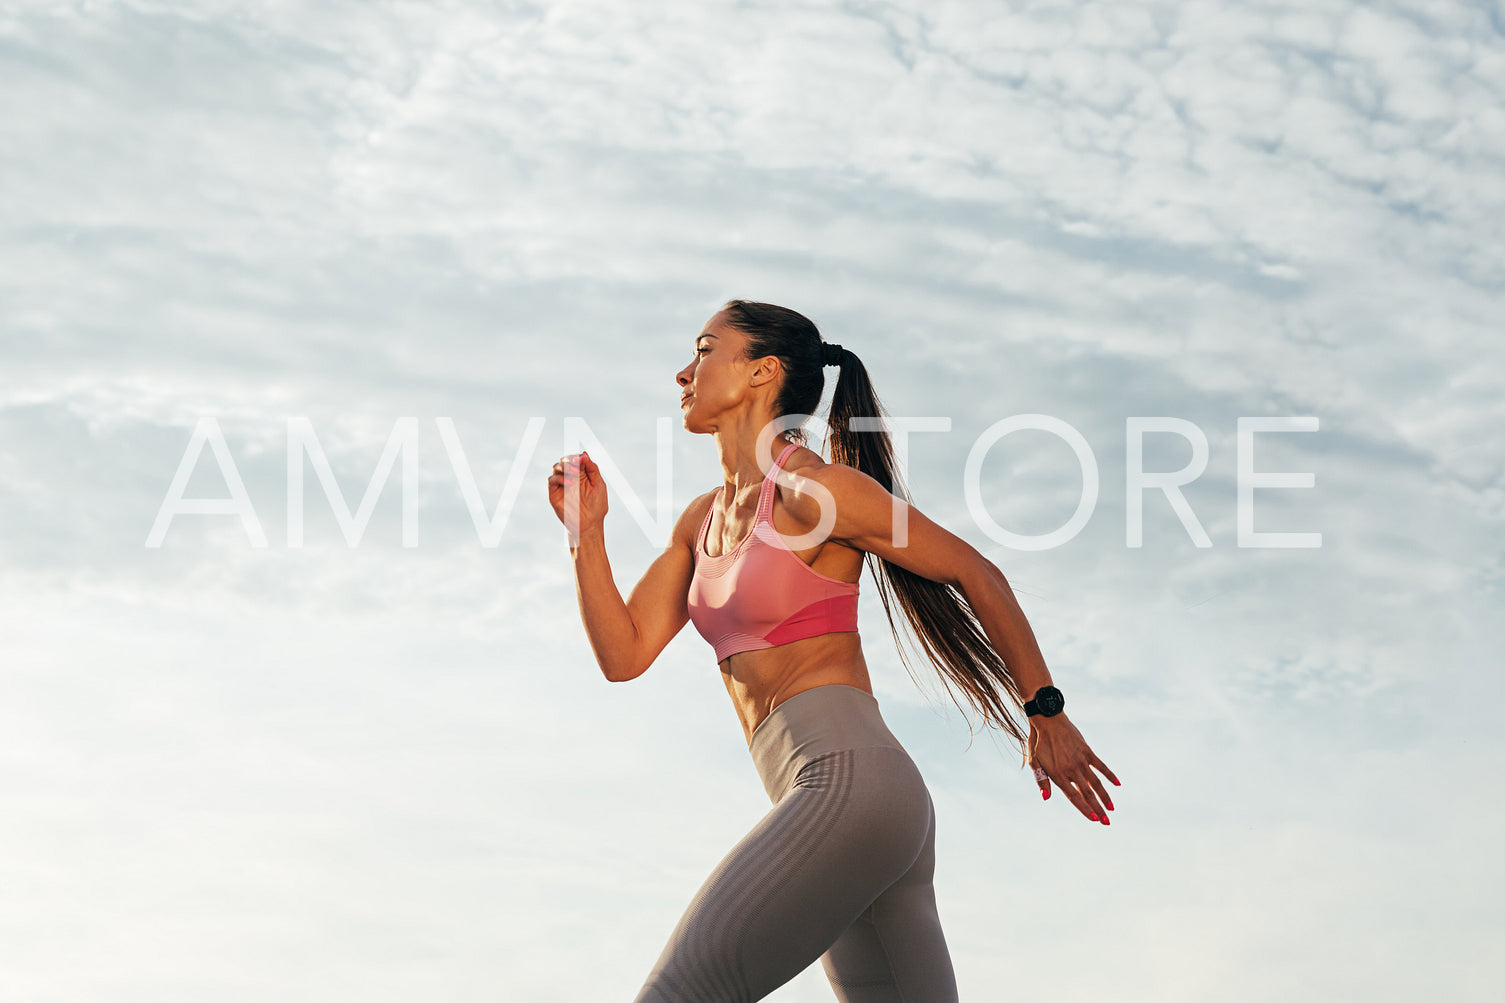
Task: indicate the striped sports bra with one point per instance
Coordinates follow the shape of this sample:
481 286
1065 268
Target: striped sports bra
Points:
760 594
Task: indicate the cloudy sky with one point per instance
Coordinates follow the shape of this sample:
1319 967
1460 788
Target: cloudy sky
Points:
354 769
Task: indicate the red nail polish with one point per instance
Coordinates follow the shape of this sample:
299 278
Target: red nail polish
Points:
1093 816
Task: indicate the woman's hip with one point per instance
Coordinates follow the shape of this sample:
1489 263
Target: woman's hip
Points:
812 726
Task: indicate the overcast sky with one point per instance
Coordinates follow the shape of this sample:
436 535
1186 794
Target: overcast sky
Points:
395 773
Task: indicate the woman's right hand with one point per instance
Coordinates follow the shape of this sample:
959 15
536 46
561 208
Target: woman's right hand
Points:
578 494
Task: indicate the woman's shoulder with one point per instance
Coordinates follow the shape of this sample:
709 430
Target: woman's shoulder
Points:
815 484
806 467
802 457
811 475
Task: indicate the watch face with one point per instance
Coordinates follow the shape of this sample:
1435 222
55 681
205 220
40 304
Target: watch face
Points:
1049 700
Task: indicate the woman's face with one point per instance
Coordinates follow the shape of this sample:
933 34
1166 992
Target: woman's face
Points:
716 378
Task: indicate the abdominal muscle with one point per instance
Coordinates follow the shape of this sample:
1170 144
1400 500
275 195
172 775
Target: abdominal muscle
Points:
760 680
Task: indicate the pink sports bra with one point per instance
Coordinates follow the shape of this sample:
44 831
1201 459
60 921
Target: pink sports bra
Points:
760 594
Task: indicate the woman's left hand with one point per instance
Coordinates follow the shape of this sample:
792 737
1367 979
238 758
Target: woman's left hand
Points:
1057 748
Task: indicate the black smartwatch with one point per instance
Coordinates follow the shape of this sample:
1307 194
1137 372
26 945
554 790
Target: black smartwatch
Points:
1048 702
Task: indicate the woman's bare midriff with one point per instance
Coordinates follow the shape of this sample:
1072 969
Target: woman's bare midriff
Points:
760 680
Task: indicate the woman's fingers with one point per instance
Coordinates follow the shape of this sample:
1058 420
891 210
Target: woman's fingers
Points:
566 471
1097 785
1082 789
1093 793
577 491
1102 793
1102 767
1094 809
1074 795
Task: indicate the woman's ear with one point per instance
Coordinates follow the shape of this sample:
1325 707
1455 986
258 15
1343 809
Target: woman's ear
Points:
766 370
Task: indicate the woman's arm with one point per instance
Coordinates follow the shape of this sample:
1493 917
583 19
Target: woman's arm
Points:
865 517
1055 744
608 623
992 599
626 637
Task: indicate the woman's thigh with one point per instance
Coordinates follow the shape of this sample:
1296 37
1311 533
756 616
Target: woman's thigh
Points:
896 951
853 823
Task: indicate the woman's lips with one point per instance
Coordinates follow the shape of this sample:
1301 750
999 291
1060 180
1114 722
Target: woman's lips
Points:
685 399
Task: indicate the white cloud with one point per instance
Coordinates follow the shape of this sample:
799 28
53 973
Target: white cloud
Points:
328 771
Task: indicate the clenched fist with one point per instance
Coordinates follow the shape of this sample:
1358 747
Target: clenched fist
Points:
578 494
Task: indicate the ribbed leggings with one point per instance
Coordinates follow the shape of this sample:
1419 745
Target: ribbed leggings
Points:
839 869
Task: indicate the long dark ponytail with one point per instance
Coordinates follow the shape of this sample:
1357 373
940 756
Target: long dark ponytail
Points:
936 613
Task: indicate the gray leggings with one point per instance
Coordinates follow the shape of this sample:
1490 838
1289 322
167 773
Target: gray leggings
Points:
838 869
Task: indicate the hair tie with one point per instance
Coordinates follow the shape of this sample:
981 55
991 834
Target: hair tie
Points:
831 354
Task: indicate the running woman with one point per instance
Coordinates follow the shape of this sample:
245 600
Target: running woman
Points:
767 566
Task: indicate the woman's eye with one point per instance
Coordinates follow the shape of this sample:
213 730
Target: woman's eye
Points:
700 351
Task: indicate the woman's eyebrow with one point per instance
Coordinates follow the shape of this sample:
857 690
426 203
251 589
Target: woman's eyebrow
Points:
697 340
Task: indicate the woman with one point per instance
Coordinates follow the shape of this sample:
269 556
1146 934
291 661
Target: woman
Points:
767 566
